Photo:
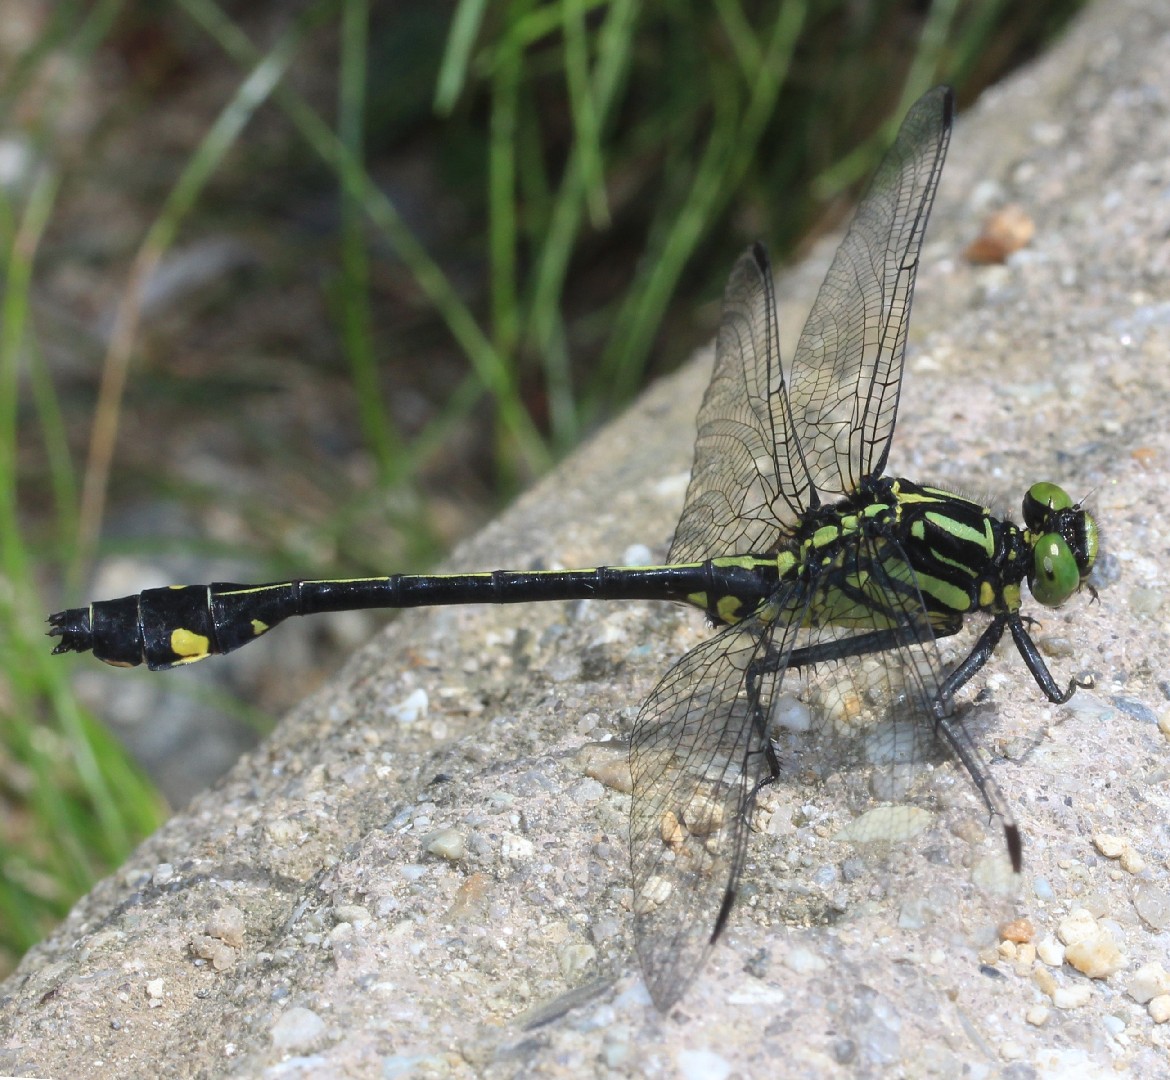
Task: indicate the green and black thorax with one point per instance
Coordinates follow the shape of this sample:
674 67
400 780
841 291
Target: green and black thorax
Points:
964 559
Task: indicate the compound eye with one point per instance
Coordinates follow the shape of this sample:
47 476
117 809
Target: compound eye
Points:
1055 575
1041 501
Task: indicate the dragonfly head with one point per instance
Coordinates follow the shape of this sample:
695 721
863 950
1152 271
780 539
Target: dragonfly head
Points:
1062 536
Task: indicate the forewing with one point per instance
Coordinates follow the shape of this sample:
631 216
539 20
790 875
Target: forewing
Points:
847 371
747 482
698 754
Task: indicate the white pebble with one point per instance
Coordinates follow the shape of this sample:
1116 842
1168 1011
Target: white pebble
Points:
1096 956
447 844
1110 846
517 848
1149 981
802 960
703 1065
1038 1015
297 1030
227 924
1077 925
411 708
886 823
1071 997
1051 951
1159 1008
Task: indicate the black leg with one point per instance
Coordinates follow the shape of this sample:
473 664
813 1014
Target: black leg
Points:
1039 669
977 657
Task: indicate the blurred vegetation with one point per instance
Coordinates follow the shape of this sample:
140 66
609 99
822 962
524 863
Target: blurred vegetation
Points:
427 247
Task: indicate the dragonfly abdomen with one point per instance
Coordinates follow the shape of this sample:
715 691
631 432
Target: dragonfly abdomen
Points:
180 624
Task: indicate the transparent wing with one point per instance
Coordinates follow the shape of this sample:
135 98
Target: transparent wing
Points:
745 484
760 461
698 753
869 667
847 372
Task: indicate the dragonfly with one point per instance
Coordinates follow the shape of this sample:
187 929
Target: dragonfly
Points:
810 561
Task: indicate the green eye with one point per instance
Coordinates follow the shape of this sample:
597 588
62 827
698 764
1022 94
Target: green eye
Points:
1055 575
1041 501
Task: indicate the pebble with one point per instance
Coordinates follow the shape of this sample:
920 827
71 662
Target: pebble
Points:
1164 723
1148 982
703 1065
886 823
516 848
1051 952
1038 1015
803 961
1153 905
574 958
222 957
1096 956
1118 847
1018 930
1159 1008
227 924
994 874
448 844
298 1029
609 765
1110 846
411 708
1077 925
354 914
1072 997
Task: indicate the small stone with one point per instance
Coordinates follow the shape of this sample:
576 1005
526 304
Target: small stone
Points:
410 709
702 1065
221 956
517 848
297 1030
1109 845
355 914
154 989
1131 861
886 823
1097 956
994 874
447 844
1148 982
1159 1008
1153 905
803 961
1072 997
1017 930
227 924
1044 981
609 765
574 959
1164 723
1038 1015
1077 925
1051 952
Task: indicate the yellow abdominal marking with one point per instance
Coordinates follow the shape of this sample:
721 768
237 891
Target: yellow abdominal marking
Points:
189 646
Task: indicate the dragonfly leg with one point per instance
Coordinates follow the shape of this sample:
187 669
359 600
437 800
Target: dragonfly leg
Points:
959 741
859 645
1039 669
976 658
